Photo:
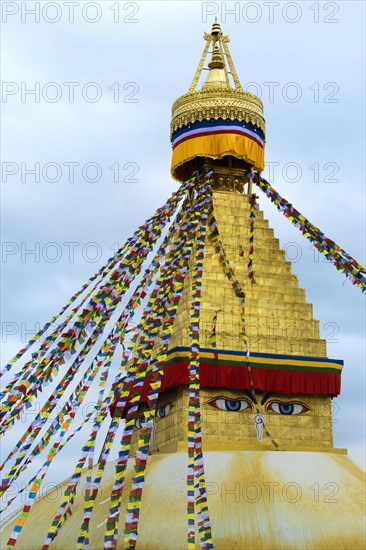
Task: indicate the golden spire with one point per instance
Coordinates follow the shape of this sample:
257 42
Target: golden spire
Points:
218 75
218 66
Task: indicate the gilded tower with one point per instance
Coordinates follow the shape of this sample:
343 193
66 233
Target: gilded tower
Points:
220 127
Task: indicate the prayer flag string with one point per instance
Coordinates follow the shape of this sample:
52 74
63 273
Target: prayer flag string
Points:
196 486
171 203
149 333
332 252
174 294
92 319
253 208
121 326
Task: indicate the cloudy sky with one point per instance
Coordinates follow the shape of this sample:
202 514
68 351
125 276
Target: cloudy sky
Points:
86 155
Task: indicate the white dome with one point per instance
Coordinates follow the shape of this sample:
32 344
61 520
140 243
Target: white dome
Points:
257 500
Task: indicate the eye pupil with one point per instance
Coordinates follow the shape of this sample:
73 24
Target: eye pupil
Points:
286 408
139 421
163 411
232 405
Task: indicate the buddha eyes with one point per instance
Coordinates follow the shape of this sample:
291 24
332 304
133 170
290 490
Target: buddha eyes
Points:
286 408
161 412
232 405
278 407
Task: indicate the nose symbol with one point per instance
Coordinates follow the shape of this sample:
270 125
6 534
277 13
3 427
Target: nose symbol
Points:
259 422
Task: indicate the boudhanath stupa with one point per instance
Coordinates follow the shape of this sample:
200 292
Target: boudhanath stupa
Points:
220 409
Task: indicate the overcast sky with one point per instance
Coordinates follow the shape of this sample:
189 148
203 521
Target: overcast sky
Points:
127 67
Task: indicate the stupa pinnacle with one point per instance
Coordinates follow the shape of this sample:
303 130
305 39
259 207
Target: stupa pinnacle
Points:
220 121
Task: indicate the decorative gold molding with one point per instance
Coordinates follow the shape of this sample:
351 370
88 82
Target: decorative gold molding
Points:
214 104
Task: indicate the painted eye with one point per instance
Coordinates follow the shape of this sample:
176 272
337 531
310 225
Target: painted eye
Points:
232 405
163 411
139 422
287 408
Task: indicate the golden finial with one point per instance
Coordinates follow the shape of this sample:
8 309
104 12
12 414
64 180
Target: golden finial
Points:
216 29
217 61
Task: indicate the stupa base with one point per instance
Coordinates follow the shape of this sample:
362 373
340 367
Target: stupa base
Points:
257 500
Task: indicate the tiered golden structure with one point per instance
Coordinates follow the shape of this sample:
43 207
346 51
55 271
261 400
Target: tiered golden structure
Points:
278 318
258 497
